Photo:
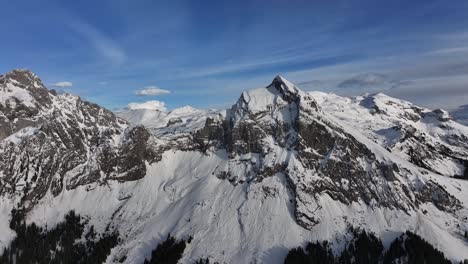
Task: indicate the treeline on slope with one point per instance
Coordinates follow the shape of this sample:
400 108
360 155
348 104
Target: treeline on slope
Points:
170 251
34 244
365 248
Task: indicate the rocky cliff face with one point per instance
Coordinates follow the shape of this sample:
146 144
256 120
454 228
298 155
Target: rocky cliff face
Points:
280 167
429 139
61 141
23 99
289 133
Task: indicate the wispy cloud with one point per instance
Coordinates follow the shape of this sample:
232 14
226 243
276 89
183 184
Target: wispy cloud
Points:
151 91
363 80
63 84
150 105
105 47
450 50
371 82
255 63
211 60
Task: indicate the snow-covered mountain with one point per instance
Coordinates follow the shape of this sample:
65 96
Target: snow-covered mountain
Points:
185 118
428 138
280 168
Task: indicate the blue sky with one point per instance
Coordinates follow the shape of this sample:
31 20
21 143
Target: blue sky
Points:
204 53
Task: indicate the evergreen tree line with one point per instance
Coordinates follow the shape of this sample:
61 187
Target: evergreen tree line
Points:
170 251
34 244
204 261
366 248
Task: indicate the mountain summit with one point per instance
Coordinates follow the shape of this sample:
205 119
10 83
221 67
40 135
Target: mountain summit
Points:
280 167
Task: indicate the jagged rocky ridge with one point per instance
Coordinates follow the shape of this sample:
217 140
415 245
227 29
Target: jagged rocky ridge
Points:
430 139
280 167
61 141
311 145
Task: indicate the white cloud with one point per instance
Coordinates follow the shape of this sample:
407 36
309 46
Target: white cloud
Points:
151 105
63 84
151 91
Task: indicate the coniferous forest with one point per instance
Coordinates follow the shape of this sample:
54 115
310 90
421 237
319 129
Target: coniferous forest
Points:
75 241
366 248
169 251
34 244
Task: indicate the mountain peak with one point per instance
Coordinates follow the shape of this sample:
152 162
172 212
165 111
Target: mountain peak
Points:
22 88
22 71
284 86
185 110
22 77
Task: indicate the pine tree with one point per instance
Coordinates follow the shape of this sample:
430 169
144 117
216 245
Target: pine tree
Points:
366 248
34 244
169 251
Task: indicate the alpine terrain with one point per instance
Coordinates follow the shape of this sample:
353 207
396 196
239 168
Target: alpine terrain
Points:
284 175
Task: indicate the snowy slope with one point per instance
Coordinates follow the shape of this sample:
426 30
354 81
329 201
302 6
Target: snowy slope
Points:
228 223
278 169
428 138
186 119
